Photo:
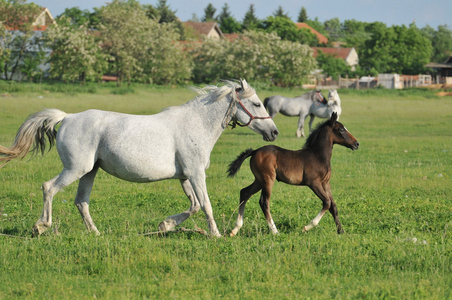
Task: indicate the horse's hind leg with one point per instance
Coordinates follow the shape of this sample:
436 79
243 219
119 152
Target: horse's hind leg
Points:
245 194
300 128
172 221
82 199
50 188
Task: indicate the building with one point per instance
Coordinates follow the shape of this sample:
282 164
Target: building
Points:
349 55
444 70
211 30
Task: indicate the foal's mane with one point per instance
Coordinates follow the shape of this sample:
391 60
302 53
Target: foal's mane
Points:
312 138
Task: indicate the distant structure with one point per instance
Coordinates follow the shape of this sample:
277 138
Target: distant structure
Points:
349 55
444 70
211 30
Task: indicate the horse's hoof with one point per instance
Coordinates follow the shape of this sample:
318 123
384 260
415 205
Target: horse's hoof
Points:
36 231
162 229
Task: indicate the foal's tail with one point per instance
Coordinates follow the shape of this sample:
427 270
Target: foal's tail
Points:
33 131
234 166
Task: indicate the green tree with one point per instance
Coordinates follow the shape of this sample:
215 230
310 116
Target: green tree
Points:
281 13
441 40
396 49
141 48
250 21
355 32
332 66
75 16
257 56
77 54
333 28
209 13
287 30
228 23
303 15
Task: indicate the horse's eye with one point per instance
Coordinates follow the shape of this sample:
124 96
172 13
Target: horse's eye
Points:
342 129
257 104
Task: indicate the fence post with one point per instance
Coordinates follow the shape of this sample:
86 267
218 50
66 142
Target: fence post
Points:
357 82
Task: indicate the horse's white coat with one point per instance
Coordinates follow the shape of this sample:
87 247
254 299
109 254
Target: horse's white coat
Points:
304 105
173 144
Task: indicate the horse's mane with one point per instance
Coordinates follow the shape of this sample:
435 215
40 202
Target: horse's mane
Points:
214 92
310 141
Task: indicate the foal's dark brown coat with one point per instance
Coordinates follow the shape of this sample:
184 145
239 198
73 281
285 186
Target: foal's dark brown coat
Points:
309 166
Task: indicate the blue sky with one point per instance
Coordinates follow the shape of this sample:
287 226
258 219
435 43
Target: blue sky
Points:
390 12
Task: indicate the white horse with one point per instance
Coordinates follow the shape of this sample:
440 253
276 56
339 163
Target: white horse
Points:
311 103
173 144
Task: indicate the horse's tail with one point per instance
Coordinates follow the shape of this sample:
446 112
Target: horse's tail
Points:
234 166
33 131
266 101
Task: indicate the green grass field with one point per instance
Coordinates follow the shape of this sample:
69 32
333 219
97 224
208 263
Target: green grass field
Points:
394 197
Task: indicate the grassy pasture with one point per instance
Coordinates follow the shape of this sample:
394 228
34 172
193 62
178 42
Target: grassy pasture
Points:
394 197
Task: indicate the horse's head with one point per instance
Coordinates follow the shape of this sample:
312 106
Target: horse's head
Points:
341 135
250 111
333 98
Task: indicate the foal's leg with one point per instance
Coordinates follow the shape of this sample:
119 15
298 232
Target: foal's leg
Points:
245 194
264 202
50 188
319 190
172 221
82 198
333 211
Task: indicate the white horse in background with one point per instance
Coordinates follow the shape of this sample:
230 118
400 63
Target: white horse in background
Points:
173 144
312 103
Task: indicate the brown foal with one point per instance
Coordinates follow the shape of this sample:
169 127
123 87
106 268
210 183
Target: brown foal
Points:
309 166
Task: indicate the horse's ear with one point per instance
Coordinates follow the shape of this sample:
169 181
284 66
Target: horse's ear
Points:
333 118
244 84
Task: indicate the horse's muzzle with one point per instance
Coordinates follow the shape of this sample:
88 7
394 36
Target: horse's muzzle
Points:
272 136
355 146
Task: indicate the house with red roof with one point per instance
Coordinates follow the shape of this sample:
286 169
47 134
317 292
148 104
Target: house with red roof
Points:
349 55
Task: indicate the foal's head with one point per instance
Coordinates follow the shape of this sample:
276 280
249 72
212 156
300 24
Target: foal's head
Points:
337 133
341 135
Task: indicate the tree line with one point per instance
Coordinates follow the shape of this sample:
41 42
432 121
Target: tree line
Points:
146 43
